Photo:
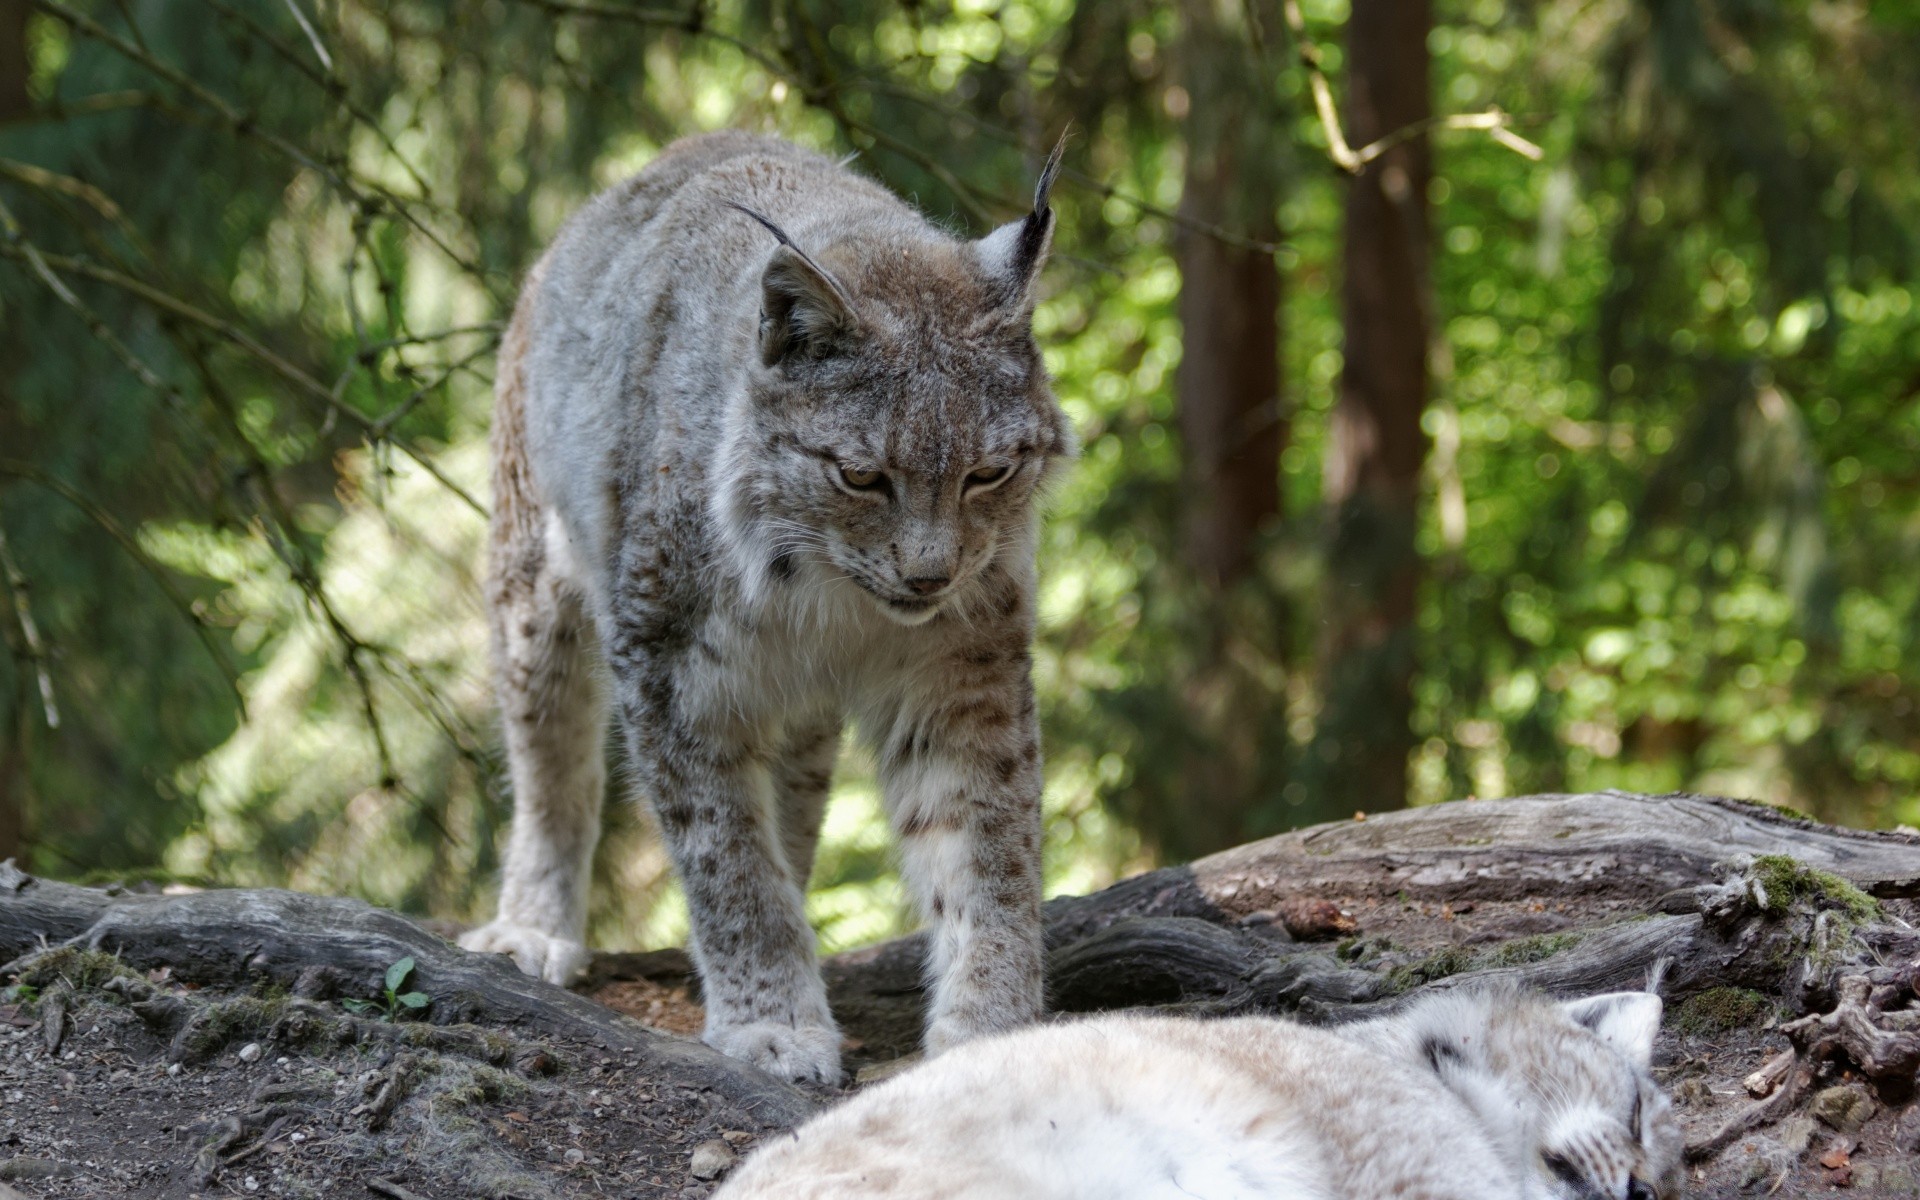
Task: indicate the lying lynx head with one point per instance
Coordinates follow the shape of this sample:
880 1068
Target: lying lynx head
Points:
1564 1088
900 419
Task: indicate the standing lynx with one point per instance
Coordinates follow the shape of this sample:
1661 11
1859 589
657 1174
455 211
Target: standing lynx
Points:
766 451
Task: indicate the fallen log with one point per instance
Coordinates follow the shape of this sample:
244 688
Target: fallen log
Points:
1787 950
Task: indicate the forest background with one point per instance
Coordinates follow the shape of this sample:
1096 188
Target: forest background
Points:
1483 397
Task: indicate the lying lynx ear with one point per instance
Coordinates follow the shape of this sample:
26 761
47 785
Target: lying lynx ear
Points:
1627 1021
1013 254
803 308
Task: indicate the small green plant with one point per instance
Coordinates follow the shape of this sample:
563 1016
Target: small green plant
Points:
389 1007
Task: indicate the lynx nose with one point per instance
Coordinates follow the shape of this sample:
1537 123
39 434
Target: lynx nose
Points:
927 585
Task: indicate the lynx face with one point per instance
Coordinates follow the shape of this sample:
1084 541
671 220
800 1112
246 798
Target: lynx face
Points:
901 419
1573 1080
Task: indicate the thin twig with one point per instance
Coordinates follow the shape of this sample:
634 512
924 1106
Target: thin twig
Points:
99 516
46 264
19 593
313 36
1493 120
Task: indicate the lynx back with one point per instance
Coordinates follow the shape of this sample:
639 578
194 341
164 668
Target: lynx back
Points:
1483 1095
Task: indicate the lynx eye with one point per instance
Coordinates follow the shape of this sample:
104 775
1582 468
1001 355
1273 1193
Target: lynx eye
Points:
1564 1170
986 477
861 478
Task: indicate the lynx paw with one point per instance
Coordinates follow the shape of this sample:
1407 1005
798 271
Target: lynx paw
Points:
542 955
803 1052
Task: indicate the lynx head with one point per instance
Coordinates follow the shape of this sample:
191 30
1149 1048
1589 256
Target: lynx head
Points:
1564 1088
899 421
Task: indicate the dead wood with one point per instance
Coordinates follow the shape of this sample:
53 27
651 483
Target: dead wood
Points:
324 948
1749 911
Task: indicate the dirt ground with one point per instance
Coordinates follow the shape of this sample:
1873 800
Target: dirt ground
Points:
148 1086
267 1096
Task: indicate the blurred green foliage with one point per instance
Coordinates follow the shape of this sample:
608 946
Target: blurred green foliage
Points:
256 256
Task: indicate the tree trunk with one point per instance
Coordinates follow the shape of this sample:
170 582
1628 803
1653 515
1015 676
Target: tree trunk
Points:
1231 418
15 68
1227 387
1376 446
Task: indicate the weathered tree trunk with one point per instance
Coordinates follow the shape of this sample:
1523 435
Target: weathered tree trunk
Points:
1231 417
1376 445
1227 387
14 65
1790 953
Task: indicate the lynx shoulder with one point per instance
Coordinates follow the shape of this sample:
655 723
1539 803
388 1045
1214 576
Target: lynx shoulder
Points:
1488 1095
767 448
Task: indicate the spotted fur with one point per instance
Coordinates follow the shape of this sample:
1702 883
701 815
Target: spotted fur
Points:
1475 1095
767 447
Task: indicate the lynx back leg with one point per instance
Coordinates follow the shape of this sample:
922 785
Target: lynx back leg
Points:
547 679
553 709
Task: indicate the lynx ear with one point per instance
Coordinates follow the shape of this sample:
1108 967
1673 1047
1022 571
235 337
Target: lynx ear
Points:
1013 254
803 308
1627 1021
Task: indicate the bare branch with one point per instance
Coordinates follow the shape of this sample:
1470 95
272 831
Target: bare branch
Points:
19 593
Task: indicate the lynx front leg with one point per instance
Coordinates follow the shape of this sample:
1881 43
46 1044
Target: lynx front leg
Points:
715 798
802 777
962 781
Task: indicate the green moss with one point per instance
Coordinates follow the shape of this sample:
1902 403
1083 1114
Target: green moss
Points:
476 1084
1362 949
1720 1009
1450 961
215 1026
1787 881
1456 960
80 968
1521 951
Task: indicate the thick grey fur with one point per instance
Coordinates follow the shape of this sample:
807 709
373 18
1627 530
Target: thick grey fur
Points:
744 492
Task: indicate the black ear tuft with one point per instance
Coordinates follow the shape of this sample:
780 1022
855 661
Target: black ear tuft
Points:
1039 222
803 307
1014 253
1441 1054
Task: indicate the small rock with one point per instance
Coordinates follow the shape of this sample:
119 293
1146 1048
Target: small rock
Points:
250 1052
711 1159
25 1167
252 1184
1795 1134
737 1137
173 1070
1906 1135
1690 1092
1896 1179
534 1062
575 1156
1844 1106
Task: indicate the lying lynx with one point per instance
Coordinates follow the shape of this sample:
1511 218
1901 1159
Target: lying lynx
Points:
1470 1095
766 450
